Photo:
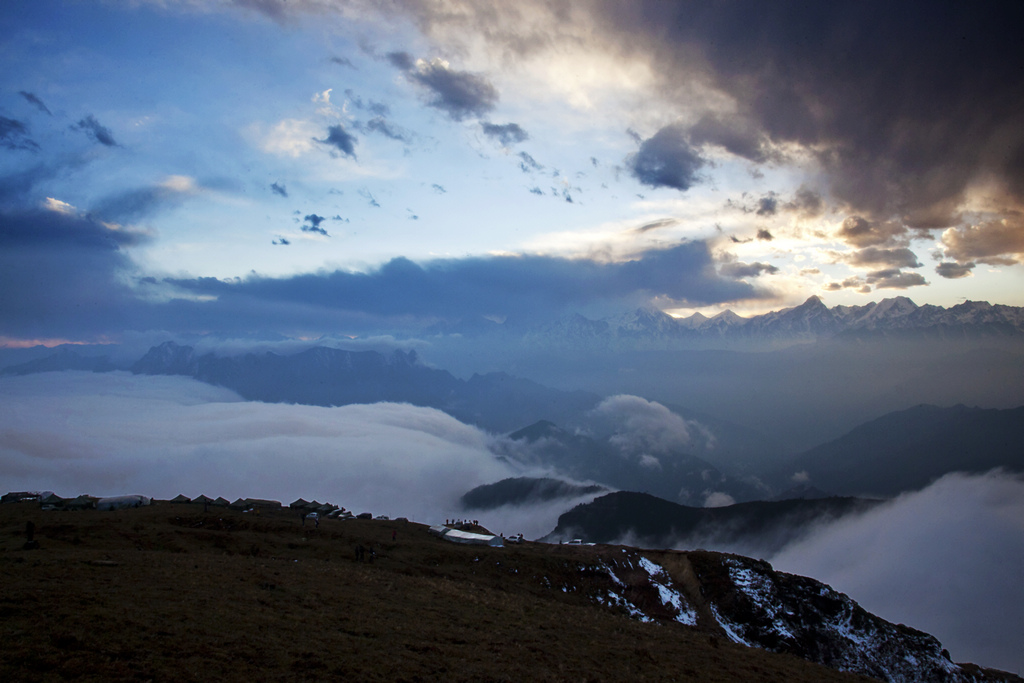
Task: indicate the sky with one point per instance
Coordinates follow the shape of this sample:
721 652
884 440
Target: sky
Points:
318 167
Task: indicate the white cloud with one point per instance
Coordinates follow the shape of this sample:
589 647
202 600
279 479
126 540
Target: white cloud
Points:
58 206
289 137
159 436
646 427
945 560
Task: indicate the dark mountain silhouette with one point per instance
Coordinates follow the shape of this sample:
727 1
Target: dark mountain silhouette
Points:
652 522
63 359
908 449
333 377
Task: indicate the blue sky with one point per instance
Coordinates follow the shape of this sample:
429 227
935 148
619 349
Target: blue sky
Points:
227 166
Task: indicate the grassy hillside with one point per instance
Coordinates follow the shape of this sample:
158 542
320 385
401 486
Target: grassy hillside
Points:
171 592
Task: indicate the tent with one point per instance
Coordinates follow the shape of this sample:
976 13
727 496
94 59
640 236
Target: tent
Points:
465 537
202 499
181 498
122 502
82 502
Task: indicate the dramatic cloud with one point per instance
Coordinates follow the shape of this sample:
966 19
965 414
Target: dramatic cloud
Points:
341 140
953 271
945 560
820 79
122 434
61 273
97 132
739 136
667 160
507 134
999 241
893 278
738 269
14 135
806 203
279 189
460 94
35 101
893 258
860 232
765 235
522 287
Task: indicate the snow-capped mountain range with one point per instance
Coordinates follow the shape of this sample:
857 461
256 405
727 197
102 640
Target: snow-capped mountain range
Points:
810 321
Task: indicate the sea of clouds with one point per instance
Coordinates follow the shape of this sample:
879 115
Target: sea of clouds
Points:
945 560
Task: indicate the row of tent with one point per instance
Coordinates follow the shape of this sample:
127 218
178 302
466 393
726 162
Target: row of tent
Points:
49 500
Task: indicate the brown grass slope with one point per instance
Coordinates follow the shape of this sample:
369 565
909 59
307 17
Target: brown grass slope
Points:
171 592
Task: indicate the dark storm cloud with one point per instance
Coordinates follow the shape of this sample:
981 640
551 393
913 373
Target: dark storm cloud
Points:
460 94
895 258
738 269
893 278
340 139
667 160
96 131
765 235
528 164
903 108
14 135
279 188
507 134
62 275
953 271
312 224
738 136
38 103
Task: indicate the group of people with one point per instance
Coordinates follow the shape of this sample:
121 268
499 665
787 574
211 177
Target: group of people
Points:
461 522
